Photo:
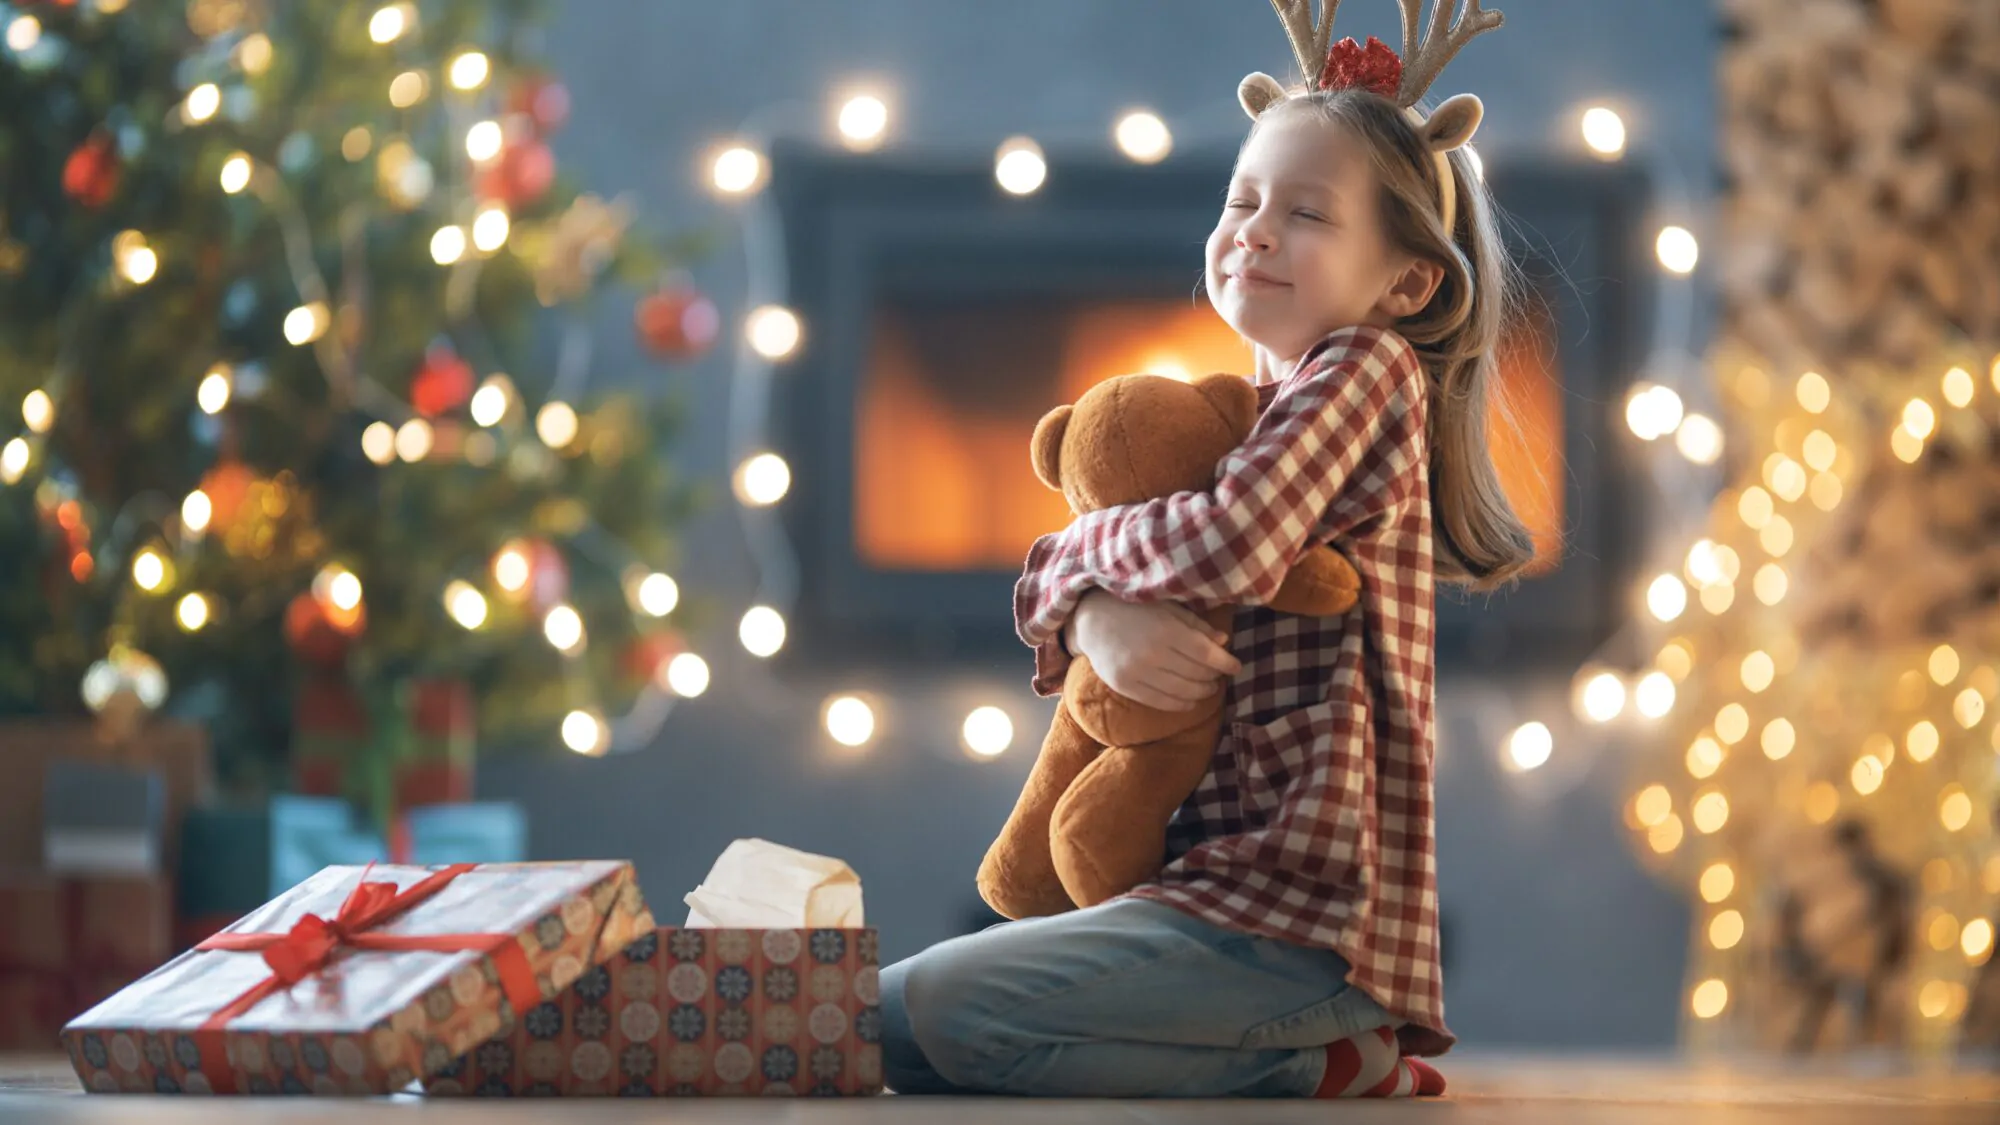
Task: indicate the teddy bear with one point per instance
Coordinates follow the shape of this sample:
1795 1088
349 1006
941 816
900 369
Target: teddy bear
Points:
1091 820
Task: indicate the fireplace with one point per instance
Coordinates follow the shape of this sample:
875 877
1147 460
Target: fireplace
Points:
946 318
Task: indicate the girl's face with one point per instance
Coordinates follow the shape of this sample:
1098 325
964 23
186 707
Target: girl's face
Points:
1300 250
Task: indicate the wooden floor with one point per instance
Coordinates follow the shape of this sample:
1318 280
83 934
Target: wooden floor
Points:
1487 1089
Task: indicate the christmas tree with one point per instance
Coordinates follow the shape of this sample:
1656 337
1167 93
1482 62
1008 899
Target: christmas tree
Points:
293 303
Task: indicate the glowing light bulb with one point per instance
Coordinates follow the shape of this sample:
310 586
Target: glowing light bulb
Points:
1778 739
987 732
469 70
465 604
1529 747
863 120
192 612
1653 411
1814 393
737 170
563 627
763 480
762 631
490 229
1677 249
1604 131
584 733
1709 998
490 401
511 570
1602 697
1958 387
1667 597
13 460
378 442
1710 812
1019 166
414 440
408 88
196 511
1718 880
849 720
1143 137
149 570
388 23
235 173
202 102
1919 418
1725 930
556 424
773 331
658 595
687 675
306 323
23 32
38 410
1699 439
1654 697
448 245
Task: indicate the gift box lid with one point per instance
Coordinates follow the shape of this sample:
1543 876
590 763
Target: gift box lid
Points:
418 966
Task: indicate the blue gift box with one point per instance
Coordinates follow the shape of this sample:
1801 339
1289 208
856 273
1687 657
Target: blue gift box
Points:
235 859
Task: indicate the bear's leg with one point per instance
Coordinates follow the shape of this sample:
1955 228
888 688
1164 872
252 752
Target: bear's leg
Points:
1018 877
1109 833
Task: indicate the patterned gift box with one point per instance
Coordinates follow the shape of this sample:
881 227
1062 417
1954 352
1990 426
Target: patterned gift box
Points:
415 967
698 1012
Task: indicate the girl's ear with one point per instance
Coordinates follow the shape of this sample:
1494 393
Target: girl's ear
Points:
1412 289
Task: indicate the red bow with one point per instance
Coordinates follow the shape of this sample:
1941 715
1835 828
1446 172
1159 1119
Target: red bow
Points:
312 941
304 950
1375 68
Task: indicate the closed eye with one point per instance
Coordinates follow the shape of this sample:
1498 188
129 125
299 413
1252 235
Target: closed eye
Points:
1315 216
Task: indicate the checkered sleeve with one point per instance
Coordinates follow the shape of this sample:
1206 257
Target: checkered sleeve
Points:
1331 453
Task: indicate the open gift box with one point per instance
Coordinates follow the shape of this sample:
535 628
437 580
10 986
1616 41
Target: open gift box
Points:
712 1009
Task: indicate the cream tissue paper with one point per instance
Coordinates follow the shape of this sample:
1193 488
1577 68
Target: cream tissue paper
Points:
758 885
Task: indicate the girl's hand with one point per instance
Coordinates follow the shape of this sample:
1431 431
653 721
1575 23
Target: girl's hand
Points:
1159 654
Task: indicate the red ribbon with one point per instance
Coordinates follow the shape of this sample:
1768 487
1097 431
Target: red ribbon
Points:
313 941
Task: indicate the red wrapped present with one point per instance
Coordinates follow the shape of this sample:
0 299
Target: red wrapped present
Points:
698 1012
359 980
66 943
429 760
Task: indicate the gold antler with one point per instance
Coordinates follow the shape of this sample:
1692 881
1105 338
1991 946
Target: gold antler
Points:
1310 41
1425 58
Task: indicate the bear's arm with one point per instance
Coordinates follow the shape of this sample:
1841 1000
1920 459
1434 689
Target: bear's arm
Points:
1342 444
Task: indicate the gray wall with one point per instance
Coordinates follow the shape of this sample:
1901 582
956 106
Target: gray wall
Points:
1557 937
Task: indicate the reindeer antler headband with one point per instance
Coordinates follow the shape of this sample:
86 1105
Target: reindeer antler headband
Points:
1328 65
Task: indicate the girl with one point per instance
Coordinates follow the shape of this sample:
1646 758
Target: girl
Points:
1289 946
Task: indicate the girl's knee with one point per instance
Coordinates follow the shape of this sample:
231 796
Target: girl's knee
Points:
949 1018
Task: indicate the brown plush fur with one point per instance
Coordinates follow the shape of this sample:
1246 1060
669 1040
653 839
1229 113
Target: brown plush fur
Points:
1091 821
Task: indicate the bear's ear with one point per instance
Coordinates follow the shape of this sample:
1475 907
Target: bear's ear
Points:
1234 398
1047 446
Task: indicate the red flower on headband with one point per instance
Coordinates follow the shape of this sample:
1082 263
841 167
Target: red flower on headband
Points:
1375 67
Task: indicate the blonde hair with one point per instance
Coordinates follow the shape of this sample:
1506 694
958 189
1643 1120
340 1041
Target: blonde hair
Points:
1481 541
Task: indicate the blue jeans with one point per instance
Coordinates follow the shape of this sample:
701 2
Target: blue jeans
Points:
1129 999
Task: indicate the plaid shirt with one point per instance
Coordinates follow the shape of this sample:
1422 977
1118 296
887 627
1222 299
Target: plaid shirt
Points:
1315 822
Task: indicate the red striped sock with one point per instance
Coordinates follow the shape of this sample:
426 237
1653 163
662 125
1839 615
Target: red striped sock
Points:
1371 1065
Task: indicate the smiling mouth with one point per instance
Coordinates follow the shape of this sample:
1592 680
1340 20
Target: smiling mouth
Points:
1258 281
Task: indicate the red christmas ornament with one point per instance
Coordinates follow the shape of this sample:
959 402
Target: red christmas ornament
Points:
648 653
442 384
90 175
541 100
226 485
320 633
1375 67
523 172
677 322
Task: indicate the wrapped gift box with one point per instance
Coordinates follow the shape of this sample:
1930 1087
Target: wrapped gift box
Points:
698 1012
359 980
177 750
428 745
67 943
